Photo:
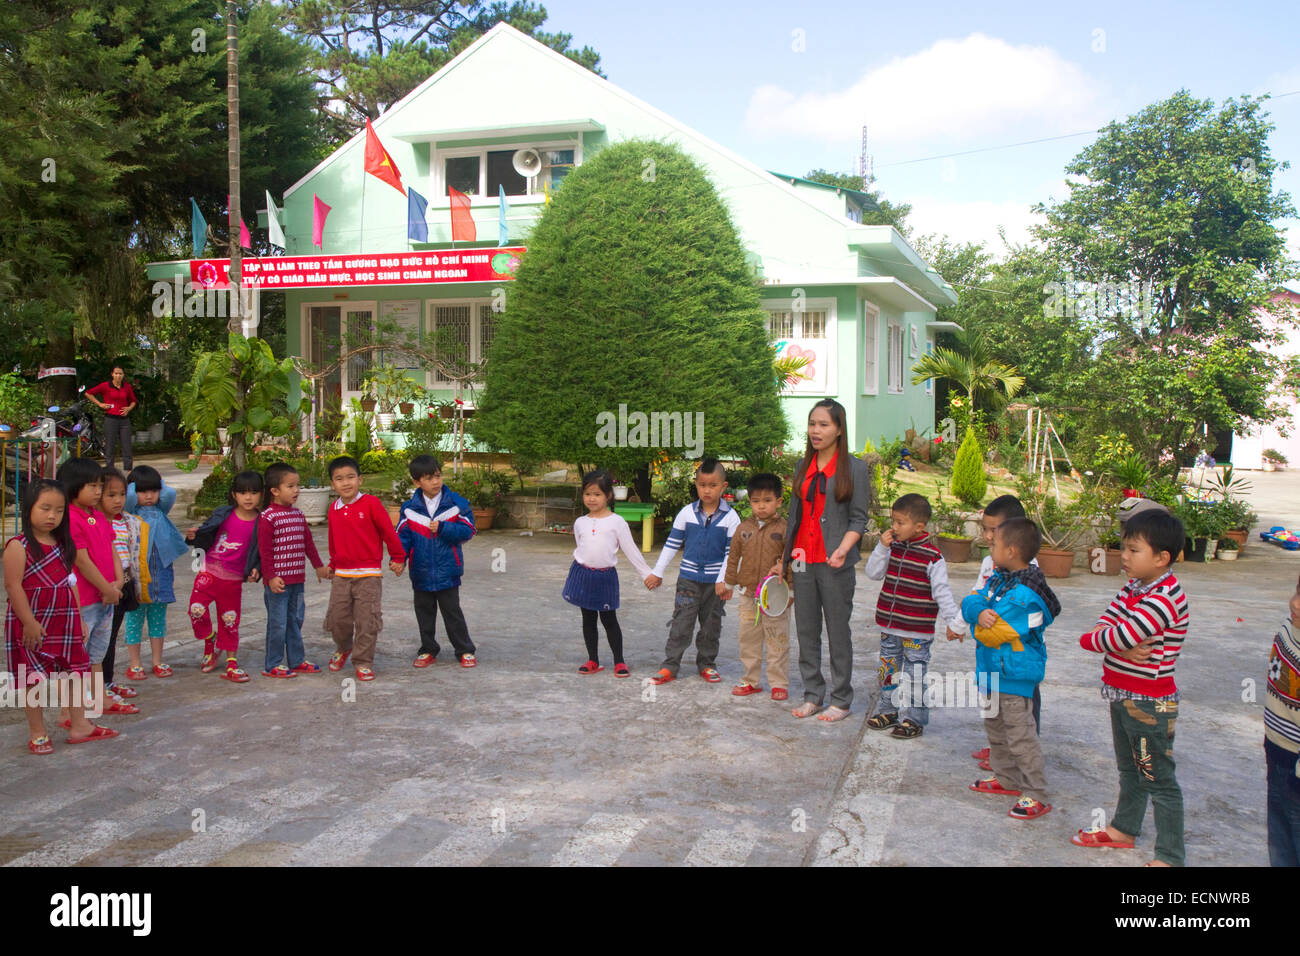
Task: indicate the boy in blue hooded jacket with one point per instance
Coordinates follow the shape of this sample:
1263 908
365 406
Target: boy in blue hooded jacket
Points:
1008 617
435 521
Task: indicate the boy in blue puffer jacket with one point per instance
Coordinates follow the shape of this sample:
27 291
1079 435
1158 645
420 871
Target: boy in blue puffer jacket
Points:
435 521
1007 617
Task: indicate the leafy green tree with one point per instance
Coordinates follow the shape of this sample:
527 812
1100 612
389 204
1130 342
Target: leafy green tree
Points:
888 214
969 482
971 366
1177 202
371 53
635 291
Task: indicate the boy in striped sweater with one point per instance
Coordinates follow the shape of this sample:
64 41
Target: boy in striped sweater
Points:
915 593
1282 741
1141 634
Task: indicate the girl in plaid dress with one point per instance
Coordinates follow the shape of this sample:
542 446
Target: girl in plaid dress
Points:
43 631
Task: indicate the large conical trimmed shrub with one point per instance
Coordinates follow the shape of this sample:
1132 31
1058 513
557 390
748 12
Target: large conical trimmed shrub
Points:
969 482
635 291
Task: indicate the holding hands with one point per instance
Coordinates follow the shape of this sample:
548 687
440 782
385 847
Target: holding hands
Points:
653 581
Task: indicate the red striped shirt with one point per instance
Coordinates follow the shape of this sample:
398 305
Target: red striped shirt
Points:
906 601
285 544
1137 614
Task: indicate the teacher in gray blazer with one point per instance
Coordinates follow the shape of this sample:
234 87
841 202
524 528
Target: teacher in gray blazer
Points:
829 505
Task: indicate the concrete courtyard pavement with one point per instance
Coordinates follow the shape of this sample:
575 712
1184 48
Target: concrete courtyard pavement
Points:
523 761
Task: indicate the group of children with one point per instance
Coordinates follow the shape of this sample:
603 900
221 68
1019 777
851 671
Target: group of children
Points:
97 547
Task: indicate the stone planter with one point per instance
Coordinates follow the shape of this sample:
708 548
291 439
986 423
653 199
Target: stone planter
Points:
1105 561
1055 563
385 420
314 503
483 518
955 550
1223 555
535 514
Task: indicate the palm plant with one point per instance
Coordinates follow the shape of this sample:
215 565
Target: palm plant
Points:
973 368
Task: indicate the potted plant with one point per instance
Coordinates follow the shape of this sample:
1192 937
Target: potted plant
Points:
1110 544
1063 526
483 488
1195 516
1132 475
1228 549
1273 459
953 542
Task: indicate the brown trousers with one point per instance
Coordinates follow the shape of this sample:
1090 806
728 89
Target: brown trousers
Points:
1014 754
356 603
758 632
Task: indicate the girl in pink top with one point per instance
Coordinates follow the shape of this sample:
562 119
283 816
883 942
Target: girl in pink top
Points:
593 583
228 544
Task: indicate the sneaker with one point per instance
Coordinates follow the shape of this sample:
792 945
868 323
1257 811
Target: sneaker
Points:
338 659
744 690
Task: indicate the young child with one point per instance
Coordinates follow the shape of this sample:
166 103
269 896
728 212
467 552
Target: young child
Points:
149 497
1008 616
756 546
1141 634
1282 741
592 583
702 532
98 571
43 624
126 546
1000 509
914 596
285 545
435 523
228 540
359 528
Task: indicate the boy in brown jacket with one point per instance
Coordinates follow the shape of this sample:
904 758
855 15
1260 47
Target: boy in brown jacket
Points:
756 546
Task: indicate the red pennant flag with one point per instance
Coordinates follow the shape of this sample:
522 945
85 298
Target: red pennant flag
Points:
379 163
462 223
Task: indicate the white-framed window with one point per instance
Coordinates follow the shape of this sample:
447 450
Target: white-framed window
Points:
472 323
914 346
870 349
811 321
479 171
895 359
929 382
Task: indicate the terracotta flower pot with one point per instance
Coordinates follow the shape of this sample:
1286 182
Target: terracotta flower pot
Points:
483 518
1240 535
955 550
1111 563
1055 563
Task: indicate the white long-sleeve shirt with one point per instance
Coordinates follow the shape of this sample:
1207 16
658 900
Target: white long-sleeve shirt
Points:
600 539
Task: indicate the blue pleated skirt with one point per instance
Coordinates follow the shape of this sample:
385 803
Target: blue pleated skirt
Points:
592 589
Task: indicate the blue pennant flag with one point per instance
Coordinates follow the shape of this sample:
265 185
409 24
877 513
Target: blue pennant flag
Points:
198 228
501 222
416 228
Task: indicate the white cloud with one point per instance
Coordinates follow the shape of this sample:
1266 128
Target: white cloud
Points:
955 92
972 220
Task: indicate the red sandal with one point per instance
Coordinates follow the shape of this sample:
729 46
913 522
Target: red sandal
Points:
591 667
210 663
98 733
41 745
991 785
280 671
235 674
1027 808
1098 838
620 670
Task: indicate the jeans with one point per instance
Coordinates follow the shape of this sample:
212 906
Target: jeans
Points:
904 661
117 430
97 621
1143 733
284 615
1283 807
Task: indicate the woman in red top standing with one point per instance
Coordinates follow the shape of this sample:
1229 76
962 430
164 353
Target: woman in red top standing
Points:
116 398
828 516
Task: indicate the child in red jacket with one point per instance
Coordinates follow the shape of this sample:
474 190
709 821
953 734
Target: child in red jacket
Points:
359 527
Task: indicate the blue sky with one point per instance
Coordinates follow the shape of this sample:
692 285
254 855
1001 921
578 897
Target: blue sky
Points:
790 87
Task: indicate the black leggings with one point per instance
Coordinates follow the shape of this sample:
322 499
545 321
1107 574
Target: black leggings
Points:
613 633
110 656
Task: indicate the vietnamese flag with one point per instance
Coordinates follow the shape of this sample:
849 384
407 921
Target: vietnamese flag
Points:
319 211
379 163
462 223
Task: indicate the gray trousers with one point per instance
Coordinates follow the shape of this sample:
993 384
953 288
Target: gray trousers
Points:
117 431
695 601
825 593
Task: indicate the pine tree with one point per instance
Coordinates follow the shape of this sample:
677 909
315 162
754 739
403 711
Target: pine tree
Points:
634 291
968 479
